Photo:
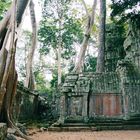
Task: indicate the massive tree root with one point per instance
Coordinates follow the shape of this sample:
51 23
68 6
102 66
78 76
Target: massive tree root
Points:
8 75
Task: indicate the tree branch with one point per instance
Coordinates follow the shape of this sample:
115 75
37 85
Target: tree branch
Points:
93 12
85 6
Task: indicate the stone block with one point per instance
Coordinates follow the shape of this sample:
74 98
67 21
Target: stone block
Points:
68 84
11 137
3 131
72 77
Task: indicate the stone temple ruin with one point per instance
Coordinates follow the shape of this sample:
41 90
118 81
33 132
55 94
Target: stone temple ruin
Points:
113 95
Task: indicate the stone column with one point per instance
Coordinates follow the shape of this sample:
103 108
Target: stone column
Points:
85 106
62 110
122 71
125 102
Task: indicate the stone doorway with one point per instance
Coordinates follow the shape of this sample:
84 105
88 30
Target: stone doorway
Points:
76 107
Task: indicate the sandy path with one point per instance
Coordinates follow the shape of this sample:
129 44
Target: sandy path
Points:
101 135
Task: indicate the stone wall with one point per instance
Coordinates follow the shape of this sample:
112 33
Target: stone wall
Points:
129 71
108 94
132 45
25 104
107 105
114 51
113 94
130 87
105 95
105 83
92 94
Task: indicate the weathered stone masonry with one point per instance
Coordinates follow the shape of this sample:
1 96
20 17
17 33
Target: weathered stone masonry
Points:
112 94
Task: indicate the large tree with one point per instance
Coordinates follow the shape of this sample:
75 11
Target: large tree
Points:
90 22
56 10
9 28
30 81
101 49
59 30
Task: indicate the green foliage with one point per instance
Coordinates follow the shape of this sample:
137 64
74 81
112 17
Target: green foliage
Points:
72 33
125 9
40 82
21 54
90 63
49 31
114 51
4 5
115 34
48 35
55 79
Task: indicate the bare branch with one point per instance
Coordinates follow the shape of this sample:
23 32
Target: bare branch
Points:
93 12
85 6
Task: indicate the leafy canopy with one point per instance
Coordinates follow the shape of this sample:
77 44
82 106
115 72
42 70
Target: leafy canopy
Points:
4 5
50 31
126 9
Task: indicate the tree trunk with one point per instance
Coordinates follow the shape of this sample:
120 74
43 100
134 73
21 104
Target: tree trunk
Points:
59 65
30 81
100 58
8 98
90 22
59 52
5 21
60 16
21 7
8 76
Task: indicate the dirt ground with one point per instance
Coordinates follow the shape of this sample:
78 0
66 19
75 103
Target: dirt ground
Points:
100 135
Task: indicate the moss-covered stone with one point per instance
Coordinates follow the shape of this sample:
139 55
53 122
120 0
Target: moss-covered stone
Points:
3 131
113 94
